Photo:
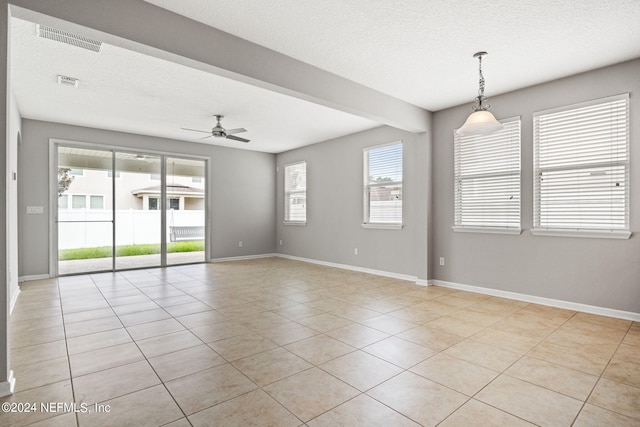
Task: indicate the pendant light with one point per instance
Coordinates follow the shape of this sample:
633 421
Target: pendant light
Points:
481 121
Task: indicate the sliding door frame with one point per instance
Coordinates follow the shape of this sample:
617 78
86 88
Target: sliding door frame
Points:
54 143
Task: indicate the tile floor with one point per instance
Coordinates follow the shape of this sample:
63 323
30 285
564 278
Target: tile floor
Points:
284 343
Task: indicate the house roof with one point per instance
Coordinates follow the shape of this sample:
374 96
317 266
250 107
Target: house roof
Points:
172 190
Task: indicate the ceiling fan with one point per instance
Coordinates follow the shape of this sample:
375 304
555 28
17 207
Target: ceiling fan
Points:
219 132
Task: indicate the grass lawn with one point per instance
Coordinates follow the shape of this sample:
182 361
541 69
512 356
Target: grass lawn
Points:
129 250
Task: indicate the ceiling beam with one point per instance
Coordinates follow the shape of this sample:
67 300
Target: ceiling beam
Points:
148 29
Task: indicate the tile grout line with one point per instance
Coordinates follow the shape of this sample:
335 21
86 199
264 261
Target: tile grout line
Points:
600 377
66 345
147 359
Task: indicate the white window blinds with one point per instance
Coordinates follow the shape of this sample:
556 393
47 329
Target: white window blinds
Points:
487 180
295 193
383 184
581 167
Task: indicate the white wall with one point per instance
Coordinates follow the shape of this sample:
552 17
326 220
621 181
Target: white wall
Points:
334 205
242 190
598 272
14 135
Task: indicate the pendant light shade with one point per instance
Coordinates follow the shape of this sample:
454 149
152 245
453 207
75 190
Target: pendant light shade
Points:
481 121
478 123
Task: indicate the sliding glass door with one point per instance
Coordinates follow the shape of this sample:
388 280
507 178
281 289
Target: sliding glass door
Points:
85 210
185 190
138 223
120 210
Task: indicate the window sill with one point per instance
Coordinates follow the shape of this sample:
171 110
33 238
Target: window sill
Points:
487 230
614 234
302 223
384 226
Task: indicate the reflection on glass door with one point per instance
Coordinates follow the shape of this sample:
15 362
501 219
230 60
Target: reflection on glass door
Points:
85 214
137 210
185 213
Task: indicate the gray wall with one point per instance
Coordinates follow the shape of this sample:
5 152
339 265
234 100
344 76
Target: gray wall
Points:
599 272
334 205
243 188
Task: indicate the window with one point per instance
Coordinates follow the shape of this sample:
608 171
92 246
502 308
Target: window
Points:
196 179
79 201
110 174
76 172
581 169
96 202
295 193
154 177
174 203
383 186
63 202
153 203
487 180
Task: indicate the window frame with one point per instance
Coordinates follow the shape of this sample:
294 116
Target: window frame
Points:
514 170
156 201
66 203
93 197
588 231
78 197
173 199
288 194
367 185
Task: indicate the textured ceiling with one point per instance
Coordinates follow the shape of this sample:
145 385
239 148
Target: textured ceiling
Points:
127 91
421 50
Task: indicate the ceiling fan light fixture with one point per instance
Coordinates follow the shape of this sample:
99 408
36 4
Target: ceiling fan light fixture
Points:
481 121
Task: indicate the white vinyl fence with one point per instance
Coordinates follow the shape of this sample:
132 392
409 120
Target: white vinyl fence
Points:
133 227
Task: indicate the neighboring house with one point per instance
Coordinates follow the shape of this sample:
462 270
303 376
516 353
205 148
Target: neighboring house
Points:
92 189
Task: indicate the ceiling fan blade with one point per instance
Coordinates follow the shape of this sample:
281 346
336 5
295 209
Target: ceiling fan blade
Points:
197 130
204 137
237 130
237 138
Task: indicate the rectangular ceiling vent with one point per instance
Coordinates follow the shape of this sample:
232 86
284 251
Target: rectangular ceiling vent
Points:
68 81
68 38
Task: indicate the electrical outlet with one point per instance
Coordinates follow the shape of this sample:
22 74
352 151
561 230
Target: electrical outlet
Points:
355 251
441 260
240 244
280 242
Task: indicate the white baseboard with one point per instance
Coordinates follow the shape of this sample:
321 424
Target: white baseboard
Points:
592 309
33 277
354 268
14 300
242 258
7 387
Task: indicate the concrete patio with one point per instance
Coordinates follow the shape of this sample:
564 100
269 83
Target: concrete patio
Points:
125 263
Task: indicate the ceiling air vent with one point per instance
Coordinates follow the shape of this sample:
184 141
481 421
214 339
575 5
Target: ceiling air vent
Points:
68 38
68 81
